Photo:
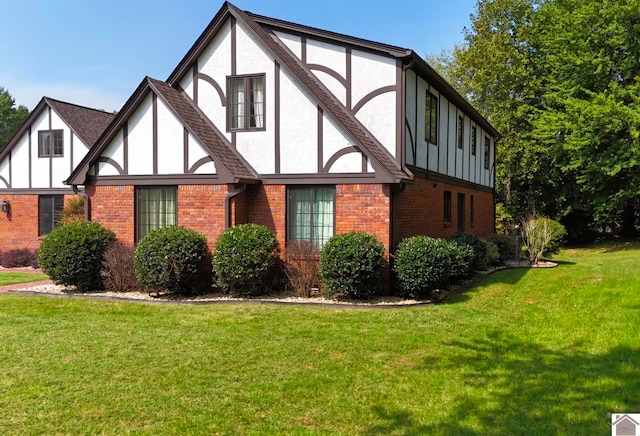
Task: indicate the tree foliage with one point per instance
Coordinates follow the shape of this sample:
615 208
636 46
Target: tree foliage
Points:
11 117
559 81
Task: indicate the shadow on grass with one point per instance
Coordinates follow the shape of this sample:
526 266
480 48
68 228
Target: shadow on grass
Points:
513 387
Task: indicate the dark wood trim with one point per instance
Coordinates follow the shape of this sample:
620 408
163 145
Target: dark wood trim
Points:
185 150
125 147
373 94
365 161
160 179
6 183
70 150
276 116
320 151
198 164
113 163
154 105
303 49
349 78
51 145
437 177
216 86
414 145
329 71
233 46
321 179
11 170
337 155
38 191
194 81
400 114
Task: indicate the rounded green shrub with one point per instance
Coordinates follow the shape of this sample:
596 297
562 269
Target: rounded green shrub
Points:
480 262
173 259
421 265
72 254
506 247
351 264
245 259
461 258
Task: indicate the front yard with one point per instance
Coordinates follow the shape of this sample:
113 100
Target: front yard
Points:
540 351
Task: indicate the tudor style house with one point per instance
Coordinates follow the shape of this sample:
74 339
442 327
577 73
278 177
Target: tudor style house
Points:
309 132
36 162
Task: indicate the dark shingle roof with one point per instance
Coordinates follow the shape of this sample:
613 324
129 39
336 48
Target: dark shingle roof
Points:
87 123
223 153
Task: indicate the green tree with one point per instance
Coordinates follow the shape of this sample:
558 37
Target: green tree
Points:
11 117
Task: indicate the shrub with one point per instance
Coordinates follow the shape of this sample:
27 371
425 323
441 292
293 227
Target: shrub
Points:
173 259
422 264
479 249
541 237
20 258
351 264
72 254
461 257
244 259
72 212
506 247
493 255
118 273
302 267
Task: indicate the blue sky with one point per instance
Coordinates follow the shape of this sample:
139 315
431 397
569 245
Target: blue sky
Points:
96 52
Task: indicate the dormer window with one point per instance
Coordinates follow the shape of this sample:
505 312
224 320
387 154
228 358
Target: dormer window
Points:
50 143
245 106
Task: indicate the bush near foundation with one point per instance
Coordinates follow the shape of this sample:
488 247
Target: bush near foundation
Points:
72 254
19 258
118 272
480 262
351 264
245 259
423 264
506 247
173 259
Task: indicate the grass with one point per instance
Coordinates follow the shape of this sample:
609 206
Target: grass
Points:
541 351
12 278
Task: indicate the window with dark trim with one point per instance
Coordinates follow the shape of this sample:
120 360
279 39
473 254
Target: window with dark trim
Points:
245 105
431 119
471 209
487 157
311 214
461 212
156 207
460 131
50 143
447 207
49 209
474 140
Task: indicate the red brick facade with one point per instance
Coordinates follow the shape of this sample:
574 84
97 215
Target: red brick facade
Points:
19 228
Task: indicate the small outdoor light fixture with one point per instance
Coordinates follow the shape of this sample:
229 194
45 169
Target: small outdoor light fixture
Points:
5 206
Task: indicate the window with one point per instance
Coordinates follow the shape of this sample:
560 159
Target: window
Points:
310 214
431 119
50 143
487 157
155 207
246 102
447 207
471 211
473 140
460 131
49 208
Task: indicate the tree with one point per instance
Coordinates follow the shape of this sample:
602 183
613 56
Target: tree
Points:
11 117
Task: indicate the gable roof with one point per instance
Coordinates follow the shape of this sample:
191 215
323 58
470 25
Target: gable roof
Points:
86 123
231 166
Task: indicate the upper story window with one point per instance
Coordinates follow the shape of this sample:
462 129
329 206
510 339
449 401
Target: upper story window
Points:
431 119
245 106
50 143
460 131
474 141
487 157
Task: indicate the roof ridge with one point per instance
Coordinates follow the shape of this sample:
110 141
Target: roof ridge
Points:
77 105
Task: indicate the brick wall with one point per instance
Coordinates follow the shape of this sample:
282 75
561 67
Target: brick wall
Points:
419 210
201 208
267 206
113 207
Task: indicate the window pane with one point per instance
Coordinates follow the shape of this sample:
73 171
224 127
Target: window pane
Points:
447 206
157 207
300 214
322 215
237 103
256 102
58 145
311 214
44 144
49 209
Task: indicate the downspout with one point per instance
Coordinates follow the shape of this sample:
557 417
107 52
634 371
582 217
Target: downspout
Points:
227 203
87 202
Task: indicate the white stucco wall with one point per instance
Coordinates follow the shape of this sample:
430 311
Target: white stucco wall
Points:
40 165
170 142
20 163
292 42
140 139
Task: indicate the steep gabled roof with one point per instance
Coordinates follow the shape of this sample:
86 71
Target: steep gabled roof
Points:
231 166
86 123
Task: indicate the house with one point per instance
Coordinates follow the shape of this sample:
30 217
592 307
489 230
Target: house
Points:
309 132
624 425
34 164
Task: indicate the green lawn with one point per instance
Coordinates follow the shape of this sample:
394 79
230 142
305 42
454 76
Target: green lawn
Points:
546 351
12 278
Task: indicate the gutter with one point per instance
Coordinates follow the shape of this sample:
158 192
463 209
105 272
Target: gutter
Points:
87 202
227 204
